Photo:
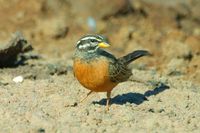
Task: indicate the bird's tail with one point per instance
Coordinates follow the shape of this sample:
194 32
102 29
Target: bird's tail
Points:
133 56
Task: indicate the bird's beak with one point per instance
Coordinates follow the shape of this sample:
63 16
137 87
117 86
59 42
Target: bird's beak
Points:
103 45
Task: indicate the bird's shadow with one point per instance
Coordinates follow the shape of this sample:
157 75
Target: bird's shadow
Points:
136 98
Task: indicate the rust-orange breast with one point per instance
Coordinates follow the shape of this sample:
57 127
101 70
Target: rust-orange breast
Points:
94 75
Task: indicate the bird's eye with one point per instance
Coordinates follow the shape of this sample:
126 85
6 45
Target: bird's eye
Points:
93 40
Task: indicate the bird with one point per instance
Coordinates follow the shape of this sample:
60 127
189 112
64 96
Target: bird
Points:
98 70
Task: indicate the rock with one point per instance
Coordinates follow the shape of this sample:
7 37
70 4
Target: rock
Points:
10 53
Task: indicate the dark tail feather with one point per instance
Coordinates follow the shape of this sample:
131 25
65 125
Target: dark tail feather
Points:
133 56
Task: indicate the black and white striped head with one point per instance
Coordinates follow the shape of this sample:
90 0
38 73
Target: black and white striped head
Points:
91 43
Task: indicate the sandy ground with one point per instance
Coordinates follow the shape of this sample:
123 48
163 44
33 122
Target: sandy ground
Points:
168 100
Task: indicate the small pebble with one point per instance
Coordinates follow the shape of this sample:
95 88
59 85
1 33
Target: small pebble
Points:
18 79
41 130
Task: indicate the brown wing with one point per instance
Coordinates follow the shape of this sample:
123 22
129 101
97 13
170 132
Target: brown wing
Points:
119 72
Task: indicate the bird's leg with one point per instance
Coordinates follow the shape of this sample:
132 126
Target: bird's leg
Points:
86 96
108 100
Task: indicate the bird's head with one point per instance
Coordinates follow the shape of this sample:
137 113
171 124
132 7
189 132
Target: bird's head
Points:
91 43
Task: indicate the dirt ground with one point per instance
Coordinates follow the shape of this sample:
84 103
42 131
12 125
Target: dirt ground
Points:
167 101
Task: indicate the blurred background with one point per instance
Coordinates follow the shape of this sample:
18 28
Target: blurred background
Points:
170 29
